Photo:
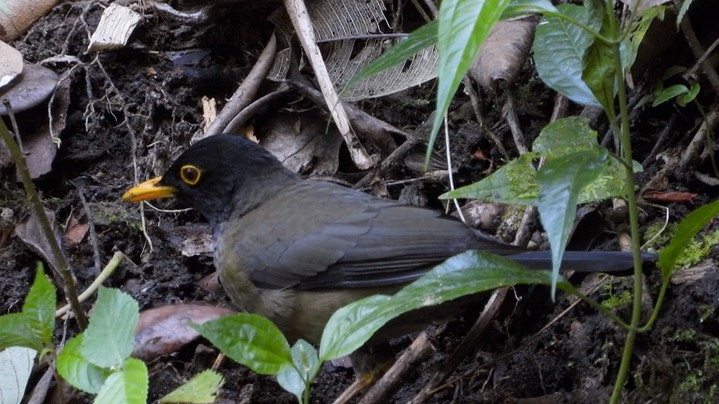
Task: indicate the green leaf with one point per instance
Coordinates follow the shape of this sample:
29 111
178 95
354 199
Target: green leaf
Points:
685 99
127 386
39 306
669 93
513 183
559 49
518 8
684 234
297 378
565 136
109 337
77 371
463 27
599 70
516 182
560 181
630 44
15 330
467 273
249 339
202 388
33 327
672 71
573 134
404 49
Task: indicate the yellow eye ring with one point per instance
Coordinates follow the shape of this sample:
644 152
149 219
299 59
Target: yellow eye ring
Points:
190 174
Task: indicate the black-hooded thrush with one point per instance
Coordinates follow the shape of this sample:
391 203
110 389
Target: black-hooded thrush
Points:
296 250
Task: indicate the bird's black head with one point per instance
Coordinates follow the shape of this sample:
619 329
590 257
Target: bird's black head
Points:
217 174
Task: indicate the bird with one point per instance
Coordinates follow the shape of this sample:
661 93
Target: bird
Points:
296 250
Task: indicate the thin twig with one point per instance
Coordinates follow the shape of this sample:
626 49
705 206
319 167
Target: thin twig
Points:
106 272
699 53
300 17
91 226
68 283
246 92
474 98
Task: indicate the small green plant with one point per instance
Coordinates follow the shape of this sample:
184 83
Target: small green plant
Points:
97 361
33 326
679 92
25 334
616 300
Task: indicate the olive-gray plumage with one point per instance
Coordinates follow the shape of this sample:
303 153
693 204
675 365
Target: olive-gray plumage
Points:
296 250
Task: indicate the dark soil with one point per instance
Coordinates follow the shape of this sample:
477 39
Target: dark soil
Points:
133 110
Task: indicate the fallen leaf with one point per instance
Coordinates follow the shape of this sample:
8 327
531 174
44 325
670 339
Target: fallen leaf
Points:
164 329
75 231
30 233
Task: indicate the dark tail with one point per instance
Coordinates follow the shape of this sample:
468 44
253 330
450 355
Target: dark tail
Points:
612 262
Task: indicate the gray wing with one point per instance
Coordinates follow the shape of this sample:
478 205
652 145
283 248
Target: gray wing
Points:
320 236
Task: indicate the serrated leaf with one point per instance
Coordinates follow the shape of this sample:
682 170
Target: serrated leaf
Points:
110 335
560 182
463 27
77 371
15 330
39 306
201 388
559 49
33 327
126 386
467 273
15 368
249 339
689 226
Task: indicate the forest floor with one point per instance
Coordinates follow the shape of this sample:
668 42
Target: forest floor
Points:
133 110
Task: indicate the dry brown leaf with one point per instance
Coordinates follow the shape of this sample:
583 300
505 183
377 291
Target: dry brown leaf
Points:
30 233
299 141
75 231
164 329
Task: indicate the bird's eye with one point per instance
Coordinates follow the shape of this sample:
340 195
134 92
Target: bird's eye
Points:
190 174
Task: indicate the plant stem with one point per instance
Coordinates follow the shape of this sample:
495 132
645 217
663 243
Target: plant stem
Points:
626 155
36 205
607 312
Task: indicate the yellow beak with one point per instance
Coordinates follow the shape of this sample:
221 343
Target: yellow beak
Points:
147 191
